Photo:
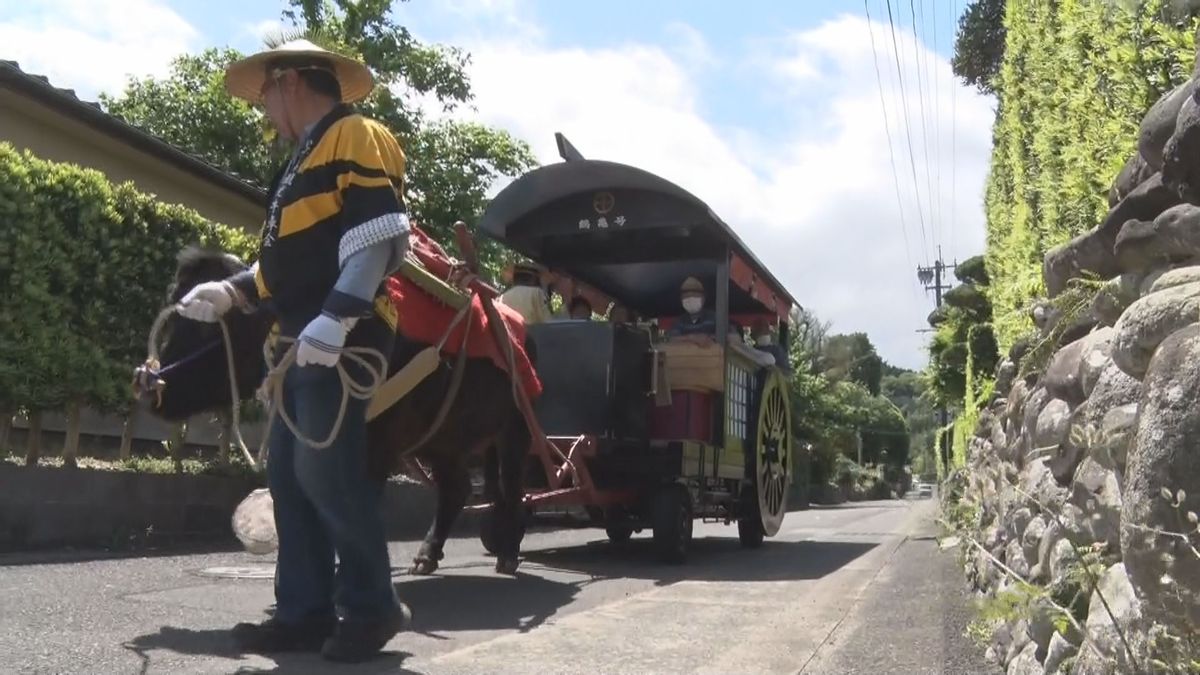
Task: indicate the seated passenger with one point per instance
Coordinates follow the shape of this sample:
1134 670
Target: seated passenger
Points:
580 309
527 295
698 320
620 314
764 341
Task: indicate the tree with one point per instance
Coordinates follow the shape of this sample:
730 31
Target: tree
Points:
979 44
807 341
909 392
885 434
853 357
191 109
451 164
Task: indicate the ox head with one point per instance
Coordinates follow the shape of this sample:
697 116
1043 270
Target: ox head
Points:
193 376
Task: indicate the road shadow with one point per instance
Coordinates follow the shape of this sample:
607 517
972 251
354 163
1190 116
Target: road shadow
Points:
709 559
219 643
65 555
454 603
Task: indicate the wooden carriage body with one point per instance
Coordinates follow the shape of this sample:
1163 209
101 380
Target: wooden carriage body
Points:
641 430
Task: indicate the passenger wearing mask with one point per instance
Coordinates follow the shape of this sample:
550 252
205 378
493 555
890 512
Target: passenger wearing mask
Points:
697 320
621 315
580 309
764 341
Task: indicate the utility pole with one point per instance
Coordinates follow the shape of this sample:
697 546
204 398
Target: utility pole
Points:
927 275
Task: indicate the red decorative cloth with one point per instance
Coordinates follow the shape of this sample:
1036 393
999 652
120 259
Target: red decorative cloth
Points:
424 319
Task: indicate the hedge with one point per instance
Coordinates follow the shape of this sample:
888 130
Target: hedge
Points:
1076 80
85 265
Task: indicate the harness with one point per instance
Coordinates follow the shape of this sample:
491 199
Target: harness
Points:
271 391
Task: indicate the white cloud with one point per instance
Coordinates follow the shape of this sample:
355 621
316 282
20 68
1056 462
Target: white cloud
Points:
690 45
817 203
92 45
480 18
261 30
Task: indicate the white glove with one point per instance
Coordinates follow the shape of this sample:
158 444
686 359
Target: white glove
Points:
321 341
208 301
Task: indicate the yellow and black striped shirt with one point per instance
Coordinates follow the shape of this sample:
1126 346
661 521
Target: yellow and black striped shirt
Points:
342 192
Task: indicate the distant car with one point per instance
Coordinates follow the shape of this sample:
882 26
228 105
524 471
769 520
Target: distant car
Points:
924 490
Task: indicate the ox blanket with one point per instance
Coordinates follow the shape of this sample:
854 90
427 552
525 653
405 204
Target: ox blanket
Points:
424 319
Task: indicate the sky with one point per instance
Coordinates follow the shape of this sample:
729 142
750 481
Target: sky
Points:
843 151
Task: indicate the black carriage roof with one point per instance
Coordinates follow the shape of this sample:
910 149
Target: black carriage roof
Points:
631 234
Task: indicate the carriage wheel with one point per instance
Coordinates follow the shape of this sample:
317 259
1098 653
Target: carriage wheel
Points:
672 517
619 533
749 524
771 461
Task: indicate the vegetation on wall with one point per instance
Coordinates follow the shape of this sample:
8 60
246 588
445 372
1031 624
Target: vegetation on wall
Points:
1075 81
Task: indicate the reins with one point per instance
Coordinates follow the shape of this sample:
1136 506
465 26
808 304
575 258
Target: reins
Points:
152 364
271 390
272 385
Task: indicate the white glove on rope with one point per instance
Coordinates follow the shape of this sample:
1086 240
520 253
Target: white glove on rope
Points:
322 340
208 301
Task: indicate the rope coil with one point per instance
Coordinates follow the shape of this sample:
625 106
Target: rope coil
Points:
271 390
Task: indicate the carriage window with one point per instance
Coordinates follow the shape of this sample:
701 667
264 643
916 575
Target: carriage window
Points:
738 407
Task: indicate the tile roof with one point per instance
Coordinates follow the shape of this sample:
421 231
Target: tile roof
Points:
90 113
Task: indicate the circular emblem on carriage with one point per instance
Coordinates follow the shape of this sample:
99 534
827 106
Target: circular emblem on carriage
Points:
603 202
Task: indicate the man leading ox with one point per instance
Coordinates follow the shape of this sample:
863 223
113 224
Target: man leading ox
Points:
335 227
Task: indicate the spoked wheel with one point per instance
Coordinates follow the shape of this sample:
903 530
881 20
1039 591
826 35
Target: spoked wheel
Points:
770 463
671 514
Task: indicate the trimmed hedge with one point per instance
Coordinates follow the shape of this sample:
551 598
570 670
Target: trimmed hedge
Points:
1077 78
85 266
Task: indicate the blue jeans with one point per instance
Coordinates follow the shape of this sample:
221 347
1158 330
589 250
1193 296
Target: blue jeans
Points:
325 502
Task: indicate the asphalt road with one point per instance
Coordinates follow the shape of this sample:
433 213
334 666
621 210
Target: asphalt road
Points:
859 588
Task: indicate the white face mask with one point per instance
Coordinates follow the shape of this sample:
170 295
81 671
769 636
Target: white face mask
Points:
693 305
763 340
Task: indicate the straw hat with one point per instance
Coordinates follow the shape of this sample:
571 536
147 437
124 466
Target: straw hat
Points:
691 285
245 78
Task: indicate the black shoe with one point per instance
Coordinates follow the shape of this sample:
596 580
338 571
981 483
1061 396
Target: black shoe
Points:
355 641
273 635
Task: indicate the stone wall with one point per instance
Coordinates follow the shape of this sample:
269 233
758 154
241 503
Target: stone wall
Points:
1088 455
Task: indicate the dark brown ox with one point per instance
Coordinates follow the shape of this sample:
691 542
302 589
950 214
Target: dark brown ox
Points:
193 378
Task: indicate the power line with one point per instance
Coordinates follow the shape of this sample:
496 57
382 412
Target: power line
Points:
917 42
912 164
953 134
887 127
937 125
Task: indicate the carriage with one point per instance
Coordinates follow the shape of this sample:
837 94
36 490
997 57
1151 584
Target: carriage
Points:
640 430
